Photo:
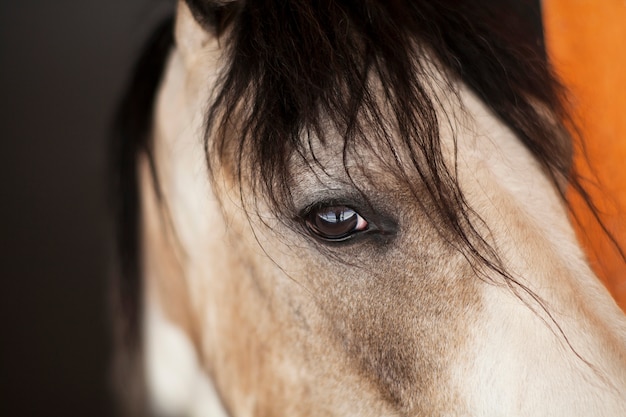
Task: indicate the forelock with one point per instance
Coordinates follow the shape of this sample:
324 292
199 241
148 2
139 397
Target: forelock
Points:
296 68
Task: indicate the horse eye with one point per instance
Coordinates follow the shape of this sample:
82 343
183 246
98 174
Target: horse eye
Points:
335 223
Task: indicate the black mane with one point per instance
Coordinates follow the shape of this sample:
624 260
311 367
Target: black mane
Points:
294 67
294 64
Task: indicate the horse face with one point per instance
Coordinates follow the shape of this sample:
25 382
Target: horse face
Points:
356 302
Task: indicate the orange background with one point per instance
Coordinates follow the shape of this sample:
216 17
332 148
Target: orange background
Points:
586 41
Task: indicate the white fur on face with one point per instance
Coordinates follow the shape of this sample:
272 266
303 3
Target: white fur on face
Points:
177 384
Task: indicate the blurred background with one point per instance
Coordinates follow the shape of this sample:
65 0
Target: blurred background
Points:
63 65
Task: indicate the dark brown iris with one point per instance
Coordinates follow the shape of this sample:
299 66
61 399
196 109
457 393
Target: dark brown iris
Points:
335 222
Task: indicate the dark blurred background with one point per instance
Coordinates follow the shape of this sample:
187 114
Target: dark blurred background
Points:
63 65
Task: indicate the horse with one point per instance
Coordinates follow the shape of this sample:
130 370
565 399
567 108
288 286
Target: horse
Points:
355 208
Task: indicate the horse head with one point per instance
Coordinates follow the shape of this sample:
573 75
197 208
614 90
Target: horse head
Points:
358 209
